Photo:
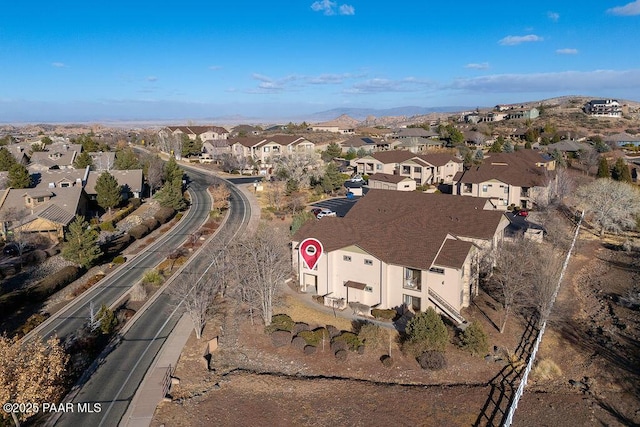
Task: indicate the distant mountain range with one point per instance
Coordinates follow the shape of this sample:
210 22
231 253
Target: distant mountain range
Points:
363 113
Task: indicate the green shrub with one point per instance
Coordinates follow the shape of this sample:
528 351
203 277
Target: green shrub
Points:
153 277
474 339
350 339
164 214
178 216
310 337
119 259
151 223
107 226
426 331
371 335
384 314
281 322
138 231
108 320
135 203
54 282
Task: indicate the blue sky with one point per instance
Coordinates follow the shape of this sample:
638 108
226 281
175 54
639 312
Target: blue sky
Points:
266 60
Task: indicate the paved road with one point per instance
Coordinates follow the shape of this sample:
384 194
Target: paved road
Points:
109 290
115 381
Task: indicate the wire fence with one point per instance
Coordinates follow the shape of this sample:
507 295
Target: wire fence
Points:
536 345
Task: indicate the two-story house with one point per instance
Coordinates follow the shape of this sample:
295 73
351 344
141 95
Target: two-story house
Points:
205 133
56 156
430 168
508 178
396 249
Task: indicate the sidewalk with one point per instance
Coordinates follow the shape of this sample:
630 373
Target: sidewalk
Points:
151 391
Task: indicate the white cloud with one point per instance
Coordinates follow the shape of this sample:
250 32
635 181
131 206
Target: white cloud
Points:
554 16
567 51
478 66
58 65
629 9
514 40
379 85
152 79
215 67
563 82
347 9
328 8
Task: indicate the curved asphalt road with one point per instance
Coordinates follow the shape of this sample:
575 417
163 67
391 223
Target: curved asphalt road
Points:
119 374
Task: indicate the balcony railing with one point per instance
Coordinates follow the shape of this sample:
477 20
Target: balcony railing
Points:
446 307
412 284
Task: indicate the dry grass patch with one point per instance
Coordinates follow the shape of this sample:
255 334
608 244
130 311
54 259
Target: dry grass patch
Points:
545 370
301 312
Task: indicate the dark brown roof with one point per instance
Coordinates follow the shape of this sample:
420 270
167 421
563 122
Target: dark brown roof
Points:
198 130
453 253
386 177
393 156
439 159
510 168
247 141
405 228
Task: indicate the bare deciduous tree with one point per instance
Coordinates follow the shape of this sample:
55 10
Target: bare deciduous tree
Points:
611 205
264 264
300 167
155 173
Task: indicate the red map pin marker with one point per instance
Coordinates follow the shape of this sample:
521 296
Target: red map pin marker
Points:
310 250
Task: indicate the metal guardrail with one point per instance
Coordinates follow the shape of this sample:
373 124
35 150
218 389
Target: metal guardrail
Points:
532 357
448 308
166 381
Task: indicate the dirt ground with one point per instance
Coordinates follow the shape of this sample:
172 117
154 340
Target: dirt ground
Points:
591 338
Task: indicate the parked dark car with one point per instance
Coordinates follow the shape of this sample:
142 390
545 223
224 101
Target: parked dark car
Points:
12 249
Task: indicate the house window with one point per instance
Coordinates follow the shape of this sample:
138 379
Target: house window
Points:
368 289
406 170
65 184
506 190
368 262
417 169
379 167
40 199
346 258
266 149
485 188
28 199
412 279
468 188
412 302
437 270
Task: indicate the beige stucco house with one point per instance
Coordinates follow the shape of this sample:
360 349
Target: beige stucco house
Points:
430 168
506 179
402 249
385 181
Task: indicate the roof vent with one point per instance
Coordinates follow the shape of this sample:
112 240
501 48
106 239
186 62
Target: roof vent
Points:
52 185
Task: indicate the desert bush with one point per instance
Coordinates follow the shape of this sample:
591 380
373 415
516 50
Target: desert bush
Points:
153 277
425 331
310 337
135 203
281 322
32 322
351 339
546 369
299 326
151 223
138 292
383 314
119 259
387 361
474 339
178 216
280 338
299 343
53 251
432 360
124 314
361 349
139 231
164 214
34 257
371 335
108 320
338 345
309 349
54 282
107 226
333 331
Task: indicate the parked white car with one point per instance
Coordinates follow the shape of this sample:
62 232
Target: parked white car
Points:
325 212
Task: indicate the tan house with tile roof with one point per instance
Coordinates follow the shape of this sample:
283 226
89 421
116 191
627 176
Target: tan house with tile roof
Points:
508 179
398 248
57 156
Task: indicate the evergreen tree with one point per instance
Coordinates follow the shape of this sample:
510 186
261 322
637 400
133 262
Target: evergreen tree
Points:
19 176
603 168
332 179
82 161
508 147
620 171
496 147
89 145
6 159
427 331
81 243
527 145
474 339
170 195
108 191
126 160
333 150
172 170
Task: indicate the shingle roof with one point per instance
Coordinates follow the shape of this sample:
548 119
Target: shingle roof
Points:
510 168
453 253
405 228
131 178
385 177
247 141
